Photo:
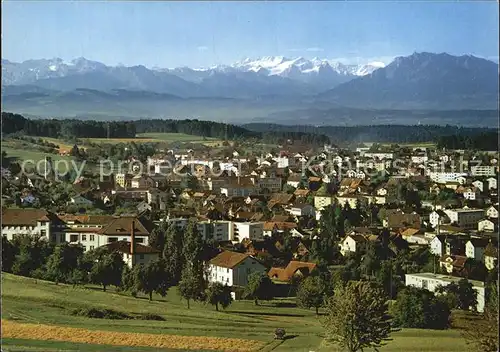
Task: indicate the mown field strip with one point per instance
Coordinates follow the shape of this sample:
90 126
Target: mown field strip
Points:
11 329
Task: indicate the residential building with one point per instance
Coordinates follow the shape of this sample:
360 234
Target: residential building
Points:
355 242
35 222
471 193
301 209
479 185
294 270
233 268
398 219
492 183
438 217
490 256
237 190
248 230
142 181
492 212
488 225
474 248
271 227
443 177
133 255
271 184
123 180
321 202
465 218
483 170
122 228
431 282
437 245
86 229
377 155
351 200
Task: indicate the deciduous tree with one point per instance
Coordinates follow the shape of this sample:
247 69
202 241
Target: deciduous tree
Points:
218 293
311 293
259 287
357 316
419 308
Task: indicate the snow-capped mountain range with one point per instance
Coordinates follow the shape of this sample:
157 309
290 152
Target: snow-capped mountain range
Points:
329 72
296 88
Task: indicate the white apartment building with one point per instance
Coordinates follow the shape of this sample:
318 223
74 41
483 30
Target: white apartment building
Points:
492 212
465 218
492 182
35 222
430 281
248 230
444 177
237 190
321 202
381 156
483 170
233 268
474 248
223 230
471 193
418 159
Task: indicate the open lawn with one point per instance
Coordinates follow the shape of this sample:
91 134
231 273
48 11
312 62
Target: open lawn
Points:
243 326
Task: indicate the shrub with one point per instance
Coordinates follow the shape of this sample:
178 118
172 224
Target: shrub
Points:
100 313
279 334
150 316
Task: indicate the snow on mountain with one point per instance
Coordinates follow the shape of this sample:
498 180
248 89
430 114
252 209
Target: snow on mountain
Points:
320 73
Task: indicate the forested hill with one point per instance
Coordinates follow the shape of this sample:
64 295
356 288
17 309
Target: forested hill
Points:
71 128
447 136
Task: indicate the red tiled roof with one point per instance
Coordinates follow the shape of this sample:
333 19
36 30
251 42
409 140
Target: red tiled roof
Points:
23 216
123 225
285 274
228 259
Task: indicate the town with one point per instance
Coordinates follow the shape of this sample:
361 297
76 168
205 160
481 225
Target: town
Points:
296 220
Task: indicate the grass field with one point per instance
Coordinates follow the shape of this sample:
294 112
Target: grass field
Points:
28 301
408 145
35 156
140 138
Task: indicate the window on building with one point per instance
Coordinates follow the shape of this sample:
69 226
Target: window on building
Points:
141 256
91 237
62 237
91 247
227 269
53 238
424 284
139 240
43 233
112 239
73 238
84 237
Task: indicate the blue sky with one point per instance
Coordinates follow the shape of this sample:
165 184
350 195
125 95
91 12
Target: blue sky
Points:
170 34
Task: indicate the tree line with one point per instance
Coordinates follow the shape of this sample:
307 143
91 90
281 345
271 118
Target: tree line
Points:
379 133
72 129
481 141
67 128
